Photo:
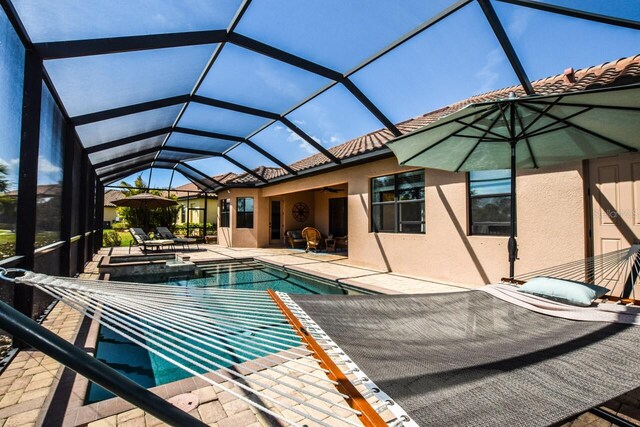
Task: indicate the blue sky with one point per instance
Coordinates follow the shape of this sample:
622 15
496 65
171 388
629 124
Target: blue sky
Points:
454 59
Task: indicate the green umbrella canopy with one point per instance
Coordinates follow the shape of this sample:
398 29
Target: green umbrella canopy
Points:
145 200
527 132
546 131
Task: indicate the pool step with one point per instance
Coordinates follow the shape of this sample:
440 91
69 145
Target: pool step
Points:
208 271
210 268
250 264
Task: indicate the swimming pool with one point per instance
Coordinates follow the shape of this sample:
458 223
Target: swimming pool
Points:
149 369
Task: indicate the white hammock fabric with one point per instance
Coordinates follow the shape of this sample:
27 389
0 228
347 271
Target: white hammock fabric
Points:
613 270
207 330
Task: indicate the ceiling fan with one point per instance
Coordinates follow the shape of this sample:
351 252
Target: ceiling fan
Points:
329 190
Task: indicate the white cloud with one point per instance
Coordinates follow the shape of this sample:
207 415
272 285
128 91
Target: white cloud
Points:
519 22
11 163
294 137
334 139
488 75
279 83
45 166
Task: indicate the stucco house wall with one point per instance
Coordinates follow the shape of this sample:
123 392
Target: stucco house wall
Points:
197 216
245 237
110 214
551 223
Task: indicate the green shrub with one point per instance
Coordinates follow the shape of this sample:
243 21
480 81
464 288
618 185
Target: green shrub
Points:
111 239
44 238
7 249
195 228
119 226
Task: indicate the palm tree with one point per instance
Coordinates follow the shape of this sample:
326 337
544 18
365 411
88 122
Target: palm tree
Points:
4 182
137 217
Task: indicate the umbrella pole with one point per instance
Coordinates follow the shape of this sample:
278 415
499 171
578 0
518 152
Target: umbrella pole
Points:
513 244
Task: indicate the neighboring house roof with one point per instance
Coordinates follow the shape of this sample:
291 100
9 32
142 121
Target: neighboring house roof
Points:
43 190
222 178
111 196
616 73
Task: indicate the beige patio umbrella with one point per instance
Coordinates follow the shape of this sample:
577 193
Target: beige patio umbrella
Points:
145 200
527 132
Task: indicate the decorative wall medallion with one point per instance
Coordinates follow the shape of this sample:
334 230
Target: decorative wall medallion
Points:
300 212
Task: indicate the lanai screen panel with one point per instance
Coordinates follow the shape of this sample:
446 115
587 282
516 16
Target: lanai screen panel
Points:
334 117
324 31
196 178
81 19
195 142
125 126
113 154
101 82
461 50
538 28
127 164
254 80
297 77
175 156
625 9
219 120
12 60
284 143
250 157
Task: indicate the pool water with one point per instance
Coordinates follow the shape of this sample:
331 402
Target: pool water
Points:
149 369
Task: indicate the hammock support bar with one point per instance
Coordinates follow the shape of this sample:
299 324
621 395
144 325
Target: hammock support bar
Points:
30 332
368 415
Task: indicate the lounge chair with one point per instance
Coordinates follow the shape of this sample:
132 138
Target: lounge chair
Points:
165 233
313 238
145 242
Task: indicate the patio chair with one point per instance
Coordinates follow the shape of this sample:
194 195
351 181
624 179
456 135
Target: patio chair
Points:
294 237
145 242
342 242
313 238
165 233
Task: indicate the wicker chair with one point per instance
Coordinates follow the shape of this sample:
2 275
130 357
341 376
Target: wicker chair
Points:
313 238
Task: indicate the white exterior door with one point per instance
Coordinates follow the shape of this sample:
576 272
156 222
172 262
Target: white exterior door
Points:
615 199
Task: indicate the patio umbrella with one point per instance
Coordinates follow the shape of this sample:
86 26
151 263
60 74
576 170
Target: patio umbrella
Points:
527 132
145 200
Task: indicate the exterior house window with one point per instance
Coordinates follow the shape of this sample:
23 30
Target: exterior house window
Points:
490 202
225 209
397 204
244 212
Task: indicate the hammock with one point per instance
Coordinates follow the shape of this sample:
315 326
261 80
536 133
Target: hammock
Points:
204 330
465 358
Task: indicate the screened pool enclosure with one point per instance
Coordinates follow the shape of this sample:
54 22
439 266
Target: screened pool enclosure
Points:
93 92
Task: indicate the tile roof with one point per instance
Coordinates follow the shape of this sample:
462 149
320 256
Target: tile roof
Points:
222 178
615 73
111 196
263 171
